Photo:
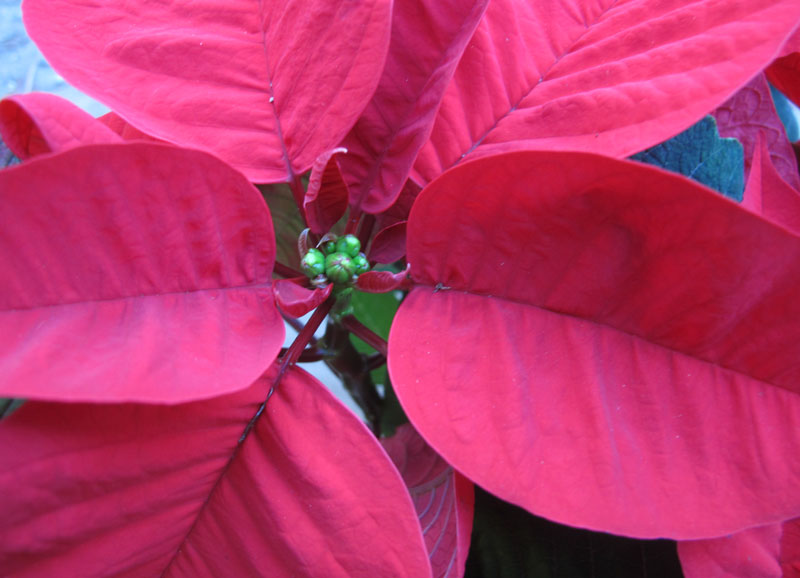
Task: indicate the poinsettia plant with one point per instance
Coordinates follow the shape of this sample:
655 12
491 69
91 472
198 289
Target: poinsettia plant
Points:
599 341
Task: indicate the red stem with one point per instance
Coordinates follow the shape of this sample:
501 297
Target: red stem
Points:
366 334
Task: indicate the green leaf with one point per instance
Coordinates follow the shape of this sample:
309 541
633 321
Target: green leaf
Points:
508 542
786 111
9 406
700 154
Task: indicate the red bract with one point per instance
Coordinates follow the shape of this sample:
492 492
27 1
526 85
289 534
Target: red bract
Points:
38 123
171 492
608 77
442 497
765 552
606 344
622 306
428 37
750 112
141 273
267 86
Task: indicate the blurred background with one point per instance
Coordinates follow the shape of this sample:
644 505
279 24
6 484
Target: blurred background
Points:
23 68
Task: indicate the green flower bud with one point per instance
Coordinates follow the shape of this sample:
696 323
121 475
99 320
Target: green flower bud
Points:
339 268
361 264
313 263
349 245
328 247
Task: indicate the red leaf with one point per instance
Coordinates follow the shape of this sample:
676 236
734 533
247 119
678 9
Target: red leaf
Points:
443 498
767 194
750 112
389 244
132 490
267 86
382 281
326 198
295 299
609 77
39 123
428 38
618 350
141 273
766 552
116 123
784 72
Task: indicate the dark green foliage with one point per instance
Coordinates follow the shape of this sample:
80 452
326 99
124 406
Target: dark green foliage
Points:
700 154
508 542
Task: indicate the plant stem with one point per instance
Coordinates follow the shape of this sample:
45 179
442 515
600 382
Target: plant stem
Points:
292 355
366 335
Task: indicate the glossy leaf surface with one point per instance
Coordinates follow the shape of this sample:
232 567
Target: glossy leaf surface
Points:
442 497
141 273
621 303
428 38
170 493
38 123
266 86
613 77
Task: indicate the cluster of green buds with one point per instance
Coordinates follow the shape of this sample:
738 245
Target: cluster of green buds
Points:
339 261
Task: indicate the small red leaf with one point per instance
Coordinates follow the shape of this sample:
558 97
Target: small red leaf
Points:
642 377
389 244
296 300
38 123
136 490
443 498
750 112
382 281
767 194
141 273
607 76
326 198
427 40
764 552
266 86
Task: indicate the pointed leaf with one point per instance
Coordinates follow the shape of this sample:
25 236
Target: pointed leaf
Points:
169 492
141 273
266 86
608 77
700 154
296 300
583 344
389 244
443 498
765 552
750 112
768 194
382 281
326 198
38 123
428 38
